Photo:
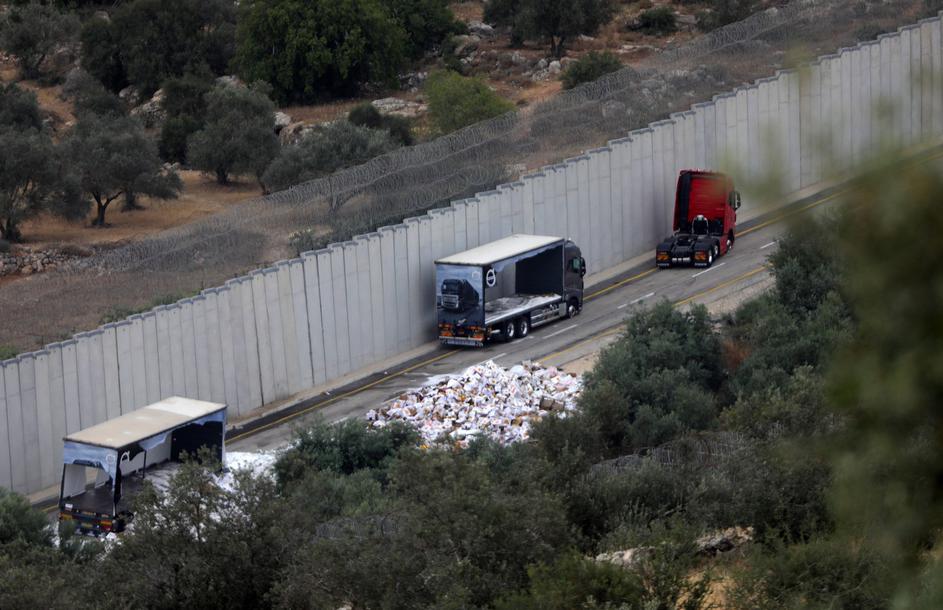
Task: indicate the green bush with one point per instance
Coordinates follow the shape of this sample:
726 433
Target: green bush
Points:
655 382
174 134
821 573
326 150
148 41
306 50
724 12
590 67
343 448
238 135
21 522
658 20
366 115
556 21
456 101
573 581
426 23
33 31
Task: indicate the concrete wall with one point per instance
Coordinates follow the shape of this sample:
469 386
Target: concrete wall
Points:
310 320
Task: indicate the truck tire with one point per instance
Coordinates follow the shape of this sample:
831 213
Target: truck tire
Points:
572 309
508 331
710 257
523 327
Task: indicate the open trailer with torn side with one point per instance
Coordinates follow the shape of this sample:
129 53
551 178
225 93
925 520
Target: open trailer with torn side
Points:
104 465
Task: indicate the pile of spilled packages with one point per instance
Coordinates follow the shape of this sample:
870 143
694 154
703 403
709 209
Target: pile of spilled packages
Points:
484 400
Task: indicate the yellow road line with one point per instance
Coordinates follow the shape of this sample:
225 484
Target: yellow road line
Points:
744 276
353 392
618 329
621 283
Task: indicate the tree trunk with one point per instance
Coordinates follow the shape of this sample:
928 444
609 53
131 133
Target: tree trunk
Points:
100 215
9 231
131 202
222 176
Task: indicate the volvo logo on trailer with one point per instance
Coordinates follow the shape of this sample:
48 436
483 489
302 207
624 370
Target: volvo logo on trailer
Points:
491 278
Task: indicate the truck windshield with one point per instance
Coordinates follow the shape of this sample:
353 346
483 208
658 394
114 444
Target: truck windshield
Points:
459 295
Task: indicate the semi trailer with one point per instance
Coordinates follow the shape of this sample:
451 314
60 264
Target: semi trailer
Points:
504 288
705 218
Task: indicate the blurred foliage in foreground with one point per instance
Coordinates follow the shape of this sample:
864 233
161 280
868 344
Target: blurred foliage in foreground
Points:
819 403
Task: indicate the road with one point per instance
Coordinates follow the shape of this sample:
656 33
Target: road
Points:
605 308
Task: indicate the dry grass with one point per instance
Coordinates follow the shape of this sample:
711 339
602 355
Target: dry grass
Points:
201 197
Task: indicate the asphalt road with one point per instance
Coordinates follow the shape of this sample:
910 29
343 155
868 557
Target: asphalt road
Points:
605 308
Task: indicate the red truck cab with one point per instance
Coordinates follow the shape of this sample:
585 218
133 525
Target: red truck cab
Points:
705 218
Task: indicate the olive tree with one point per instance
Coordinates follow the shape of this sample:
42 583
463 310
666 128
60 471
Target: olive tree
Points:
238 136
112 156
33 31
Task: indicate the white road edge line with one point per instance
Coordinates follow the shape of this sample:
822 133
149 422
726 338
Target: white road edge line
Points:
708 269
767 245
562 330
502 354
642 298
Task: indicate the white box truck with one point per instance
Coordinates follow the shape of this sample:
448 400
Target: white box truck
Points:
504 288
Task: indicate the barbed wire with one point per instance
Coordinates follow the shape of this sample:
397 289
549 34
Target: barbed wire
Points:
412 180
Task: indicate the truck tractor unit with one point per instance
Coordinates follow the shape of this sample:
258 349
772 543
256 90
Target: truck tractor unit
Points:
705 217
503 289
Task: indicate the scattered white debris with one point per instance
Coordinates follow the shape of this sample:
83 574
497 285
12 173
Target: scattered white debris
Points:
485 399
259 464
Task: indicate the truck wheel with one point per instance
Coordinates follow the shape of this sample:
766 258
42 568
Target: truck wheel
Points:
523 326
710 256
508 331
571 309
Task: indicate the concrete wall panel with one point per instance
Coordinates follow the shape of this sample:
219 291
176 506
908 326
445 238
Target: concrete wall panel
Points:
326 289
341 329
70 386
31 459
276 333
164 352
378 313
315 325
425 308
286 304
263 336
414 271
6 475
401 258
14 412
45 411
389 315
299 291
227 342
57 409
214 345
110 371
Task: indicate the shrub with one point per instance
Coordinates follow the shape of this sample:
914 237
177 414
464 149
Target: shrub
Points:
821 573
148 41
238 136
343 448
326 150
656 381
308 49
366 115
456 101
658 20
590 67
573 581
557 21
174 134
4 246
21 522
426 23
725 12
33 31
